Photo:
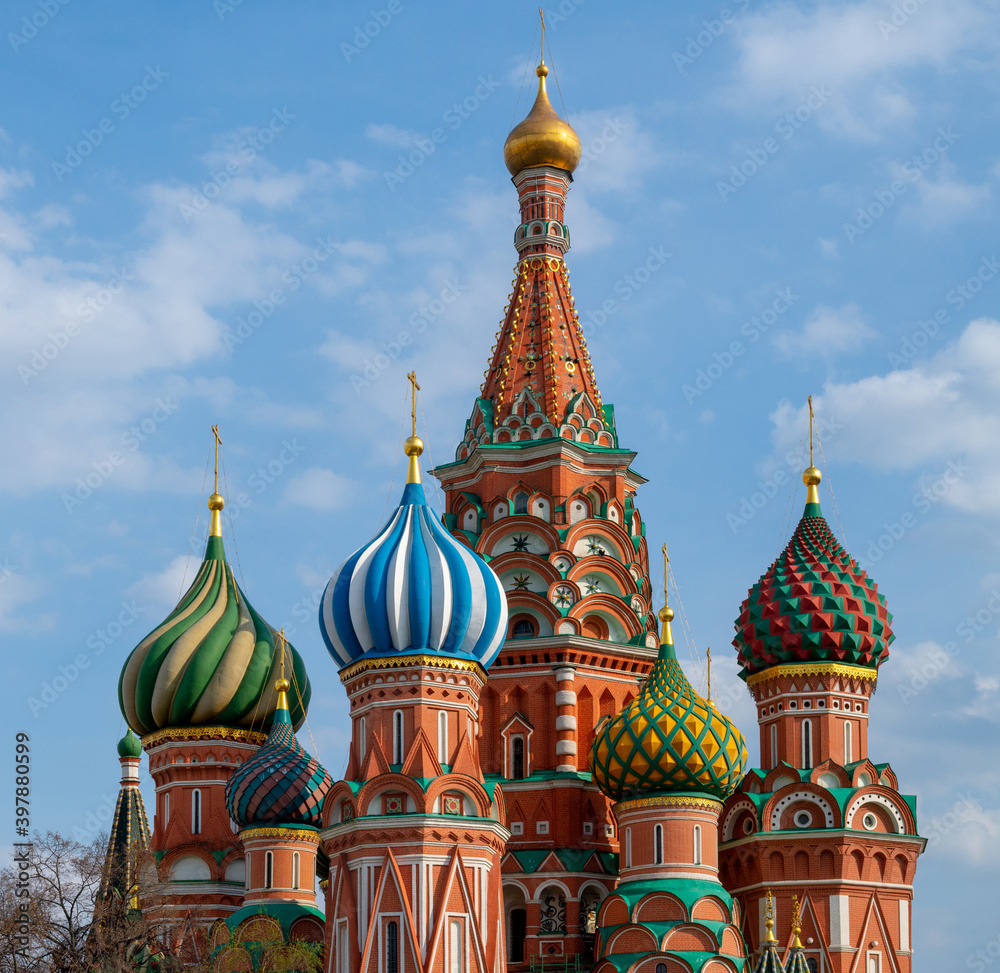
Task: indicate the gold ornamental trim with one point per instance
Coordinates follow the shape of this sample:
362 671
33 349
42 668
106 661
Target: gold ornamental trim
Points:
705 803
238 734
287 834
401 661
813 669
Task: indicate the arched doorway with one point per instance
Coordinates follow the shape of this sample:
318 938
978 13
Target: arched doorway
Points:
516 918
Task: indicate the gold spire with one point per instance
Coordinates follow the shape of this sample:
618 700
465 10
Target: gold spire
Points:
666 612
708 657
796 922
812 476
282 683
414 445
216 501
542 138
769 919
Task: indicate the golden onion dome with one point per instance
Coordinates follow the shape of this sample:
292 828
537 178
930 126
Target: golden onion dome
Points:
543 138
669 739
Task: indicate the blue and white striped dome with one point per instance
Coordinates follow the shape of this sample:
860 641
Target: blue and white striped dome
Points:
414 589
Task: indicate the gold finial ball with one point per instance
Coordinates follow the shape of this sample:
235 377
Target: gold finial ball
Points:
282 685
666 614
542 71
812 476
216 501
413 446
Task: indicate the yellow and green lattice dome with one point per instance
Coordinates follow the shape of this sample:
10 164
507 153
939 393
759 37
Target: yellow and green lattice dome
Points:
668 739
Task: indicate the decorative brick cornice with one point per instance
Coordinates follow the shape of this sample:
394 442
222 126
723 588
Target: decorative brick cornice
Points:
671 800
405 661
813 669
285 834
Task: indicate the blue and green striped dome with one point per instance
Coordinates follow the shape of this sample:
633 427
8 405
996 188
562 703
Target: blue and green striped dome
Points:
212 661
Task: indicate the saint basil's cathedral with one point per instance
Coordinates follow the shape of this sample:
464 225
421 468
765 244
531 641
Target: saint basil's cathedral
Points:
532 783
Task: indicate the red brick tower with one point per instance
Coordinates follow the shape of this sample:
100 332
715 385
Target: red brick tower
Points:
414 834
819 820
543 491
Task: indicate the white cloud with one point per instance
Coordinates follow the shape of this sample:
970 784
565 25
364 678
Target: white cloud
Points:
827 330
938 417
158 592
320 489
829 248
944 199
857 49
17 590
391 135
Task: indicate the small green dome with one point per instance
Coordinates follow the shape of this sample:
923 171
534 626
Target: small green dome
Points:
129 745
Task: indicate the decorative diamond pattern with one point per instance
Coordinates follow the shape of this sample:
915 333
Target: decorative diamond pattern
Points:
668 739
814 604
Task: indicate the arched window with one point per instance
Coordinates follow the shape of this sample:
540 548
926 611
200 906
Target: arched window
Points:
443 737
397 737
658 845
697 844
628 847
268 870
361 740
848 743
196 811
520 503
774 744
517 757
296 870
391 947
807 745
523 629
661 968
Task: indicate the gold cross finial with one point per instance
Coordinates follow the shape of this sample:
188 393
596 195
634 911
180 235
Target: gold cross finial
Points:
413 446
769 919
812 476
708 655
666 612
282 684
216 501
796 921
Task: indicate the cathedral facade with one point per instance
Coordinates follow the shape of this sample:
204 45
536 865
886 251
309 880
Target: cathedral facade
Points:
532 780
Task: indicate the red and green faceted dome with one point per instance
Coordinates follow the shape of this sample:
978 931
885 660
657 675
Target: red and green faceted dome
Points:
813 604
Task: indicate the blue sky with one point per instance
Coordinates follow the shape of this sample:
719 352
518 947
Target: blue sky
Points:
238 213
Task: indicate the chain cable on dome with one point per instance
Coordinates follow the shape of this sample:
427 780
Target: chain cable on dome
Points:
793 492
392 483
670 577
194 534
553 63
833 499
232 534
527 64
